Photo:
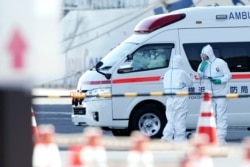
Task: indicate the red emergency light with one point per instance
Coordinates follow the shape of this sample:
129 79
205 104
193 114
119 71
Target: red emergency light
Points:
155 22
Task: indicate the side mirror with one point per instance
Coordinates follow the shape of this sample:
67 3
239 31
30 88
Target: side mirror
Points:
99 64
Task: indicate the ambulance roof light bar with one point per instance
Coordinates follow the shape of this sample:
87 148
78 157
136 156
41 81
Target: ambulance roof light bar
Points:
155 22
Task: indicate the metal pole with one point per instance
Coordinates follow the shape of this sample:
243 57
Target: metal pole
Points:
15 127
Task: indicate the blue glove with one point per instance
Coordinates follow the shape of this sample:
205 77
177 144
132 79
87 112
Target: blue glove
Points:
216 81
203 66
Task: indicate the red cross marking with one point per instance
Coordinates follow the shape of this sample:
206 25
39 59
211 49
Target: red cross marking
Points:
17 47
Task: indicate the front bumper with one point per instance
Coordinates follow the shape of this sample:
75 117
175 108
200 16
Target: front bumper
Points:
78 115
100 113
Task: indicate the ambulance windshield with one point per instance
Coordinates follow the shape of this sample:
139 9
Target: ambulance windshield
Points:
117 54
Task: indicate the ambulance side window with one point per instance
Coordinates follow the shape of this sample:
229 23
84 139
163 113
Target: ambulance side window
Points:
236 54
153 56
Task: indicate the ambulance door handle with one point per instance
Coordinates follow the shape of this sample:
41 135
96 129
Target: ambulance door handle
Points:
162 77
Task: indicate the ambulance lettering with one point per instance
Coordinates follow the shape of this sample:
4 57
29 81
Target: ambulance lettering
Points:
243 89
239 15
192 90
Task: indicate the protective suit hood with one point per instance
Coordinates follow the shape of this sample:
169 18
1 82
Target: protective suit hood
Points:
177 62
208 50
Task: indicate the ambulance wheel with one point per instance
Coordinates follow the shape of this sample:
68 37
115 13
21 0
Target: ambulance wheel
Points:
120 132
150 120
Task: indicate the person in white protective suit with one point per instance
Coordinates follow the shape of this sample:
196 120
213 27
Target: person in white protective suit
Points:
176 80
215 74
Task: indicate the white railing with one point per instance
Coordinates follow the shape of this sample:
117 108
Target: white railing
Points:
103 4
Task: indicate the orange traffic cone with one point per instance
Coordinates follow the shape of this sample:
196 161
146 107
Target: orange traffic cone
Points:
46 152
34 125
206 122
246 152
75 157
198 156
140 155
93 153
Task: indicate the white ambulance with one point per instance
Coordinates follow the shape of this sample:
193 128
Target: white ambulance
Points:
138 65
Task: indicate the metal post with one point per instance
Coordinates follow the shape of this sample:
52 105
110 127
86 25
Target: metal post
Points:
15 127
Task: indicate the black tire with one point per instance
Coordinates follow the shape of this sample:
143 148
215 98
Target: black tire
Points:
120 132
150 120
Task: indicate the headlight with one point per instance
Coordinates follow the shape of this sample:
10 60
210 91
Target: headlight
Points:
99 93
